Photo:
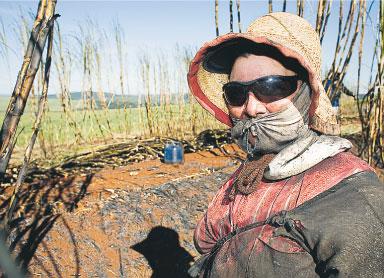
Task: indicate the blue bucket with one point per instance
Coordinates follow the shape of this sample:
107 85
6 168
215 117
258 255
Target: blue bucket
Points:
173 153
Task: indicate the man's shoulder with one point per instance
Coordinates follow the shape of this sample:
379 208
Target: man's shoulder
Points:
356 197
342 162
336 168
330 172
345 225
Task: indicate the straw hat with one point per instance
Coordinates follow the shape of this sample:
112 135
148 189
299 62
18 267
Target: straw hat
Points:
292 36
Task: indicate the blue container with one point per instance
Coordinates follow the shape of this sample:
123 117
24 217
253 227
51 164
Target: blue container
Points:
173 153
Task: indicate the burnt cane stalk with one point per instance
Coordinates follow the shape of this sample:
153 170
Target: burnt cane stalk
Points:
238 15
217 17
43 23
230 16
36 127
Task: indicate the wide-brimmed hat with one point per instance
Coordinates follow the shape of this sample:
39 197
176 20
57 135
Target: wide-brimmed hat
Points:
292 36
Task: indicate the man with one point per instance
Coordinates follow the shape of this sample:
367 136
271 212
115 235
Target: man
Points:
300 205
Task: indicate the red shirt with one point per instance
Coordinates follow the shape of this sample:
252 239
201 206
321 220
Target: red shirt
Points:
270 197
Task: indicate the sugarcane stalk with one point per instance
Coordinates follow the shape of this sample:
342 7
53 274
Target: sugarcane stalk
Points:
343 61
361 11
372 106
43 22
36 127
231 16
337 49
329 4
217 17
238 15
348 24
119 39
341 43
300 7
64 74
359 103
100 91
320 15
380 71
360 52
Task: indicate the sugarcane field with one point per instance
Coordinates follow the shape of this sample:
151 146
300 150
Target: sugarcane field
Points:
192 138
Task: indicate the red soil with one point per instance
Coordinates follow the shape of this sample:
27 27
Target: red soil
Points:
84 241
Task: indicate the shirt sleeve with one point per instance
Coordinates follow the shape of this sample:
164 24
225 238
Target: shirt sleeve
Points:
215 223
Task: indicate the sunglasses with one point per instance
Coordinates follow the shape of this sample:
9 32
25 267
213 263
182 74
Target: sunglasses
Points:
266 89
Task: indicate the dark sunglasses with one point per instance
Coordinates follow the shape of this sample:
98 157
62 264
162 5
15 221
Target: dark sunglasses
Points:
267 89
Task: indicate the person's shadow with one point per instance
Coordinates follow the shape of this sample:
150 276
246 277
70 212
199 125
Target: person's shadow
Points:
164 254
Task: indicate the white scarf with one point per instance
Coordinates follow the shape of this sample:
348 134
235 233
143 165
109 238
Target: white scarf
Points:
295 159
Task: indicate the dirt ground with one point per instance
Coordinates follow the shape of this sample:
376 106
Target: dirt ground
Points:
131 221
135 220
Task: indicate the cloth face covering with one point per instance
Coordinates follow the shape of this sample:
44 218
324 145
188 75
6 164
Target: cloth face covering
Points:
275 131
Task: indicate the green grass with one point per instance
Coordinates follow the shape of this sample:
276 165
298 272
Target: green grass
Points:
61 136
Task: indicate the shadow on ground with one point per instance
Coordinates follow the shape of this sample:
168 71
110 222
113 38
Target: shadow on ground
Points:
164 254
37 208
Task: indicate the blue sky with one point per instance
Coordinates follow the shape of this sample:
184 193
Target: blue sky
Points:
157 25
